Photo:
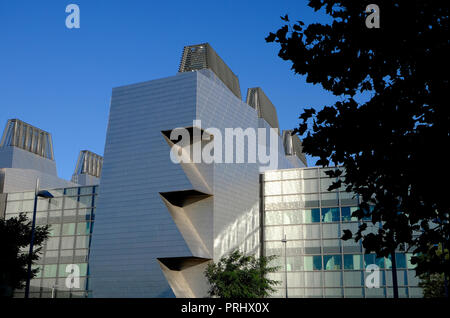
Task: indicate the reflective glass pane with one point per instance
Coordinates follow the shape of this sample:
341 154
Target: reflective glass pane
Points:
332 262
312 262
352 261
400 259
311 216
68 229
330 214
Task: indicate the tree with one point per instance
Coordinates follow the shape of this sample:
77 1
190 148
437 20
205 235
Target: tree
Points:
391 127
432 285
15 236
241 276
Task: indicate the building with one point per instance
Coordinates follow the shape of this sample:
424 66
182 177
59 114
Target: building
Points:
316 262
159 222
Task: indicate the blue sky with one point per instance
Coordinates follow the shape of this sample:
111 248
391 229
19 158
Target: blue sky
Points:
60 79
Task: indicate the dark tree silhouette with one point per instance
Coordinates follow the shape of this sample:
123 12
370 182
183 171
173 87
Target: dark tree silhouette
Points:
394 144
241 276
15 236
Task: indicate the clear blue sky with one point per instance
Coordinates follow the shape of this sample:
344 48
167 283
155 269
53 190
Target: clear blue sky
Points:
60 79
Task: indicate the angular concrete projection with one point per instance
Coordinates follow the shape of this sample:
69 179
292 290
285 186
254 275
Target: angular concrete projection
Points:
191 211
180 263
184 197
192 131
199 174
185 275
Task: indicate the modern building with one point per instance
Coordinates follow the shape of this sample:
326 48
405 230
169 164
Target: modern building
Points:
159 222
313 261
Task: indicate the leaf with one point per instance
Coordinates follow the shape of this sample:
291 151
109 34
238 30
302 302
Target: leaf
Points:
285 18
347 235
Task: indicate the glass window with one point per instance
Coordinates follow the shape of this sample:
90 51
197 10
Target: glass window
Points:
55 203
15 196
293 263
67 242
310 186
55 229
83 252
332 262
408 261
330 215
331 231
72 191
293 232
70 202
39 272
28 195
85 201
62 270
85 214
347 213
312 263
272 218
369 259
313 247
83 269
331 246
311 231
310 173
82 242
14 206
68 229
292 217
325 183
54 216
274 233
311 216
379 261
42 204
53 243
50 270
86 190
272 188
41 218
400 259
272 175
311 200
292 187
329 199
353 261
369 217
27 206
388 262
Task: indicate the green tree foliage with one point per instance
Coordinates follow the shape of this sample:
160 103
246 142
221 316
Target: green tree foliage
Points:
432 285
390 127
15 236
241 276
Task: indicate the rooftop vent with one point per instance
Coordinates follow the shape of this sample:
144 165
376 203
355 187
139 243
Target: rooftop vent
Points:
24 136
262 104
201 56
293 145
89 163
